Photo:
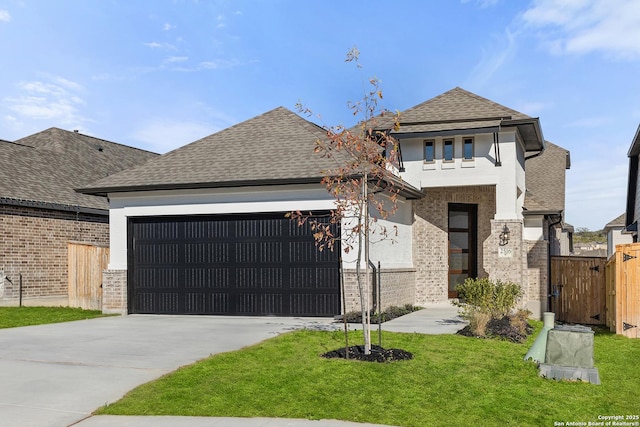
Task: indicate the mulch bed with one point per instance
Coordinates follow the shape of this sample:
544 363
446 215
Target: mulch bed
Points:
378 354
502 328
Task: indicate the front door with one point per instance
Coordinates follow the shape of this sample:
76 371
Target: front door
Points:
463 236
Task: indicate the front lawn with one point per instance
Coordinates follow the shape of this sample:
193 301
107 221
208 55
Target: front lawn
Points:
452 381
12 317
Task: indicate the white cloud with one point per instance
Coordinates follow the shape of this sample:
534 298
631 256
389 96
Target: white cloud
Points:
221 21
584 26
56 101
215 65
4 15
484 3
168 27
174 59
164 135
156 45
493 58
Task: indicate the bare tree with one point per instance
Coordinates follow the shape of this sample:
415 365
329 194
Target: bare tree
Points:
363 182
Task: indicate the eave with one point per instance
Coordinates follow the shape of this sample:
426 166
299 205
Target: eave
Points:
404 189
52 206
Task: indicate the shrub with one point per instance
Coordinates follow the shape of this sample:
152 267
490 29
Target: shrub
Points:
482 301
389 314
495 298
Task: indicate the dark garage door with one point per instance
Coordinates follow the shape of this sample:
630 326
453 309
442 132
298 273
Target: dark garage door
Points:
258 264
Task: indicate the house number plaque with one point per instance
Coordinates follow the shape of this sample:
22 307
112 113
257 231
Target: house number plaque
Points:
505 252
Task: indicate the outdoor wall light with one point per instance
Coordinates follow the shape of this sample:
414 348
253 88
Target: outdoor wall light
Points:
504 235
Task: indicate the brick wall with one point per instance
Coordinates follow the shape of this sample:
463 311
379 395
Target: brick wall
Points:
114 292
397 288
33 242
536 295
506 263
430 234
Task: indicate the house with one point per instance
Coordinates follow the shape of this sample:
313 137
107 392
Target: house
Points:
545 195
202 229
615 235
40 212
633 199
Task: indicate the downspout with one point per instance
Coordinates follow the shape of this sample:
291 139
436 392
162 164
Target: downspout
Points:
496 149
549 286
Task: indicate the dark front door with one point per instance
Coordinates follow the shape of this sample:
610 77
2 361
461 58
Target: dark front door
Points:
258 264
463 236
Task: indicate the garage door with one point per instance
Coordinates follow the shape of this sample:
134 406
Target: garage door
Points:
259 264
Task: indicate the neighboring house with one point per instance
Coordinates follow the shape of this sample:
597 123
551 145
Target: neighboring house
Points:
40 212
202 229
615 235
545 197
633 187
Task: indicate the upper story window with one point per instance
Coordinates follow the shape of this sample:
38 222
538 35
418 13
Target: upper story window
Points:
467 148
429 151
447 150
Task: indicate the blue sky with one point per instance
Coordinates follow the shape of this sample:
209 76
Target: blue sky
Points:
160 74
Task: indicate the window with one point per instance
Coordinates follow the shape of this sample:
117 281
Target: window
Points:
447 150
467 148
429 151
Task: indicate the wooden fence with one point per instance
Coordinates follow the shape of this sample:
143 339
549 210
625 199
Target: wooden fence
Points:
623 291
579 289
85 265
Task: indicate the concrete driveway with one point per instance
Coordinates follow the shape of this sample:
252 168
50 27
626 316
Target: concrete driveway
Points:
55 375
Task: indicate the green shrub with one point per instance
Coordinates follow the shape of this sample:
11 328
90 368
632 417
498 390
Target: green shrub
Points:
495 298
482 300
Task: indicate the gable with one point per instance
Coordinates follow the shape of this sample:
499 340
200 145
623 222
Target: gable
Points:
459 111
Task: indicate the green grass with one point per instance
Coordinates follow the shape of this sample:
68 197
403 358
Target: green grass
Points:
452 380
12 317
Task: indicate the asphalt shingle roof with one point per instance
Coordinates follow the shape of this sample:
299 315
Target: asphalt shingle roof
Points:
45 168
458 105
275 147
618 222
545 179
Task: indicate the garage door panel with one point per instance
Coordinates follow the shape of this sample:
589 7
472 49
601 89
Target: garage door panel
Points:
149 277
259 278
258 228
206 229
218 303
211 278
313 278
257 264
259 252
206 253
156 253
313 305
259 304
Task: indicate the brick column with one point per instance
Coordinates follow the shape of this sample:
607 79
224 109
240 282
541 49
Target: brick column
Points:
114 292
508 262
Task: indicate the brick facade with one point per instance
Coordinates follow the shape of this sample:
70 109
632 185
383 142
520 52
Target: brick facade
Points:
114 292
397 288
506 263
33 241
430 236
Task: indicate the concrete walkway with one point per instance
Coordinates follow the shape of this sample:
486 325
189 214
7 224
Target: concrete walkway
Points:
57 375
